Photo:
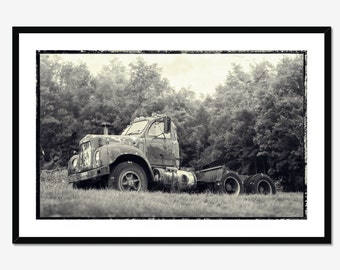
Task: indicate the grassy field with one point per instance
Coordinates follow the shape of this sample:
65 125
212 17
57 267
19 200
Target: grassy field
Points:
59 199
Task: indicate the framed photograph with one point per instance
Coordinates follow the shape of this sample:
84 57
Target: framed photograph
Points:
172 135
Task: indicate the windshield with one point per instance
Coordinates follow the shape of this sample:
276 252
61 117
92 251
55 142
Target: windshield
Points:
135 128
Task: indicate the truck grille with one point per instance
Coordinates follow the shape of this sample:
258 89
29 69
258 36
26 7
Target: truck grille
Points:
85 156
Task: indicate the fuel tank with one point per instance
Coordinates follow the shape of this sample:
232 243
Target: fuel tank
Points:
176 180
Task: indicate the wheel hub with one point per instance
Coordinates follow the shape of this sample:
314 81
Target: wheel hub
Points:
130 181
264 188
229 187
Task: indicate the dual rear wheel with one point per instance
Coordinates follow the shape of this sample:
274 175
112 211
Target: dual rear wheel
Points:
256 184
260 184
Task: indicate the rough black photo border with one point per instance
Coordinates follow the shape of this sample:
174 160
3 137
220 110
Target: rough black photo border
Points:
58 52
17 239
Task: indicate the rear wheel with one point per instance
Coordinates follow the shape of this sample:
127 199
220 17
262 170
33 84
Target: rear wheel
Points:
261 184
231 184
128 176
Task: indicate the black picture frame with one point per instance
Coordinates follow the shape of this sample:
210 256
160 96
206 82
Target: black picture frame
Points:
18 238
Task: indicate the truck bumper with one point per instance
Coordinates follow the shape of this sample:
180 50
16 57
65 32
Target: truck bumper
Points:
73 178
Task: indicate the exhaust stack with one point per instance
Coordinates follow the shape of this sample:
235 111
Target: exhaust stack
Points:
106 125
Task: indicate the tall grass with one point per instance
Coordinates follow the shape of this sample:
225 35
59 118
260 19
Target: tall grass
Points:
59 199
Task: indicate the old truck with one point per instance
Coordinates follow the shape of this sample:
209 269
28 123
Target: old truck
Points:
145 156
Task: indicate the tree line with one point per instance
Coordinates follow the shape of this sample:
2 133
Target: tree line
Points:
253 122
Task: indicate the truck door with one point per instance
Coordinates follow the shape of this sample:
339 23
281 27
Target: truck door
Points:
159 145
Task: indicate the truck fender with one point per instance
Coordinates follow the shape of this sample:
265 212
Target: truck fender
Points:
114 154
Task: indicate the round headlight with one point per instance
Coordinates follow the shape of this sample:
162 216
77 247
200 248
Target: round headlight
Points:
96 156
75 163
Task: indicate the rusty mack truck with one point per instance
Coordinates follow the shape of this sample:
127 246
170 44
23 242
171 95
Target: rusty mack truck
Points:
147 155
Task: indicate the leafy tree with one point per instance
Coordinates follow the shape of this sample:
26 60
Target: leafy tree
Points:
257 121
147 89
280 127
64 88
108 104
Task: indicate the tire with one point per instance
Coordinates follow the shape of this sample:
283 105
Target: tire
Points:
261 184
128 176
231 184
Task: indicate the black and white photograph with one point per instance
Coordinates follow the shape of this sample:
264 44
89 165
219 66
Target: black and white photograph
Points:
172 135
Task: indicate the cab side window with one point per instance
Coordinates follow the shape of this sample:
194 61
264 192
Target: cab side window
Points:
157 130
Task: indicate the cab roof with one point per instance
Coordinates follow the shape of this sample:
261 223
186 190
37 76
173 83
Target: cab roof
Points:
152 117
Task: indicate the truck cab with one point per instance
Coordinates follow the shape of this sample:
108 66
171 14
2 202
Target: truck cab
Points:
156 136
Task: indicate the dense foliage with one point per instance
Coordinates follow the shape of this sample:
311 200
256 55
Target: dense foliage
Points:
253 122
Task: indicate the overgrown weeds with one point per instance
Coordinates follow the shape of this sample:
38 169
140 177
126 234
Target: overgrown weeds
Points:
60 199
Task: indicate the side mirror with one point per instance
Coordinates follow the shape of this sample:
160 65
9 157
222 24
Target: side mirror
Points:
167 124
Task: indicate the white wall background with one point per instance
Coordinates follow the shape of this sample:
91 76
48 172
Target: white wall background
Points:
158 13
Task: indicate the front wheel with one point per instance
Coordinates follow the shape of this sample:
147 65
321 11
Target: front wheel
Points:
128 176
231 184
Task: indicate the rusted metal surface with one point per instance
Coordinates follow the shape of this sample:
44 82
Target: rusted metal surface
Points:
210 175
176 180
85 156
98 172
109 148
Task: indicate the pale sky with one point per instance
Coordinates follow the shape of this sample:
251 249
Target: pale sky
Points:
201 72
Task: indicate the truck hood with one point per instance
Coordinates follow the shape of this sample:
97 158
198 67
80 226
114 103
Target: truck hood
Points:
106 139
